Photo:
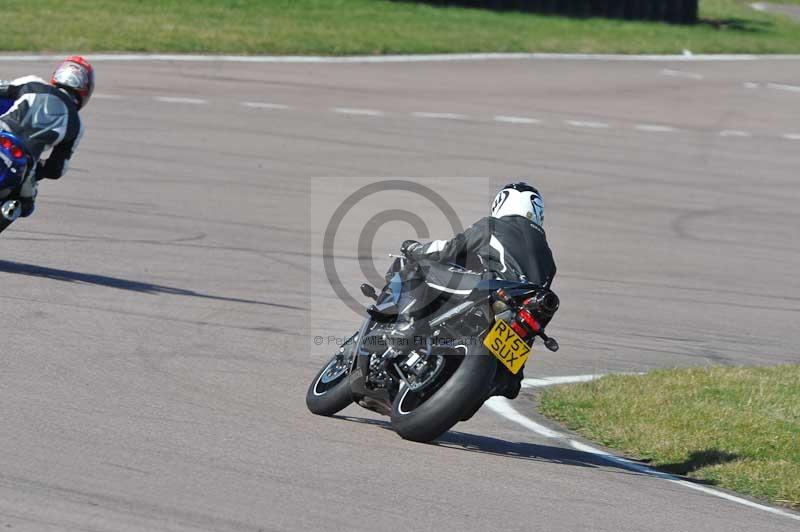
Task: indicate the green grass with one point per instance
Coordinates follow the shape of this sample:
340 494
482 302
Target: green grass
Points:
738 428
335 27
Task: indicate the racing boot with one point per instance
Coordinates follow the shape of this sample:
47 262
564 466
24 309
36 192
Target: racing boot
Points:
28 205
508 385
27 194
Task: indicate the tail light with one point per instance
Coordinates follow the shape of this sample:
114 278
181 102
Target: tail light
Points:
7 144
529 320
519 329
525 325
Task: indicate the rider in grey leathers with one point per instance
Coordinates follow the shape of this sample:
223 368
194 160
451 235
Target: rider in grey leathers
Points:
44 116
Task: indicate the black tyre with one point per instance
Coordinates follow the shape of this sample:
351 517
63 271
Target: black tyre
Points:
330 390
4 224
425 415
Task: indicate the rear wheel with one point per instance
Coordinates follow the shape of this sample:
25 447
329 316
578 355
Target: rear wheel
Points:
458 392
330 390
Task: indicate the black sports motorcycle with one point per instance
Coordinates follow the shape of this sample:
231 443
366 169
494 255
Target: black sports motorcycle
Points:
474 346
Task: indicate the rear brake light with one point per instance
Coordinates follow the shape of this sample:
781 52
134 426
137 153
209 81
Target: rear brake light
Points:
519 329
8 144
528 318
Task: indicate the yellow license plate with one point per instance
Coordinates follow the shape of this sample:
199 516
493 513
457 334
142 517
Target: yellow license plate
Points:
507 346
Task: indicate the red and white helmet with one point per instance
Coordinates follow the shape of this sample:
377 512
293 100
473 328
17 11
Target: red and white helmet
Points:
75 75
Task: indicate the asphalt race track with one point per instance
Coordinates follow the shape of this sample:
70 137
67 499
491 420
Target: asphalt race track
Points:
160 306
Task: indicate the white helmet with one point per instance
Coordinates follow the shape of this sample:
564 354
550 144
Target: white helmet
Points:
519 199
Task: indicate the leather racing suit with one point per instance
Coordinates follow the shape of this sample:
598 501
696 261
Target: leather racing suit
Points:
511 248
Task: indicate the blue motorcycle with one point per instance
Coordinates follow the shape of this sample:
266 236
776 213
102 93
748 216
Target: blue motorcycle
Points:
14 165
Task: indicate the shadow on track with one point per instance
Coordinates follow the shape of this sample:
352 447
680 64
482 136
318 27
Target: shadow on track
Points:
475 443
463 441
699 460
68 276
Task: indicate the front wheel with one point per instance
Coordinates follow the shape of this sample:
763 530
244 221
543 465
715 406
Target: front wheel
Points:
422 417
330 390
4 224
9 212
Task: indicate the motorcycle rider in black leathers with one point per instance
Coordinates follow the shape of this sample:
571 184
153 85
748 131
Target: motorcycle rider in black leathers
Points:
44 116
510 244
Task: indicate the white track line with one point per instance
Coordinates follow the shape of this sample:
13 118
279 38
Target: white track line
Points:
735 133
578 446
569 379
591 125
507 119
362 112
176 99
654 128
751 85
680 74
444 116
759 6
502 406
265 105
783 87
402 58
516 120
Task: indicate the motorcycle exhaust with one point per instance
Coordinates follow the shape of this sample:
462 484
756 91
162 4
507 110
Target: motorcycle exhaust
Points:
544 303
11 210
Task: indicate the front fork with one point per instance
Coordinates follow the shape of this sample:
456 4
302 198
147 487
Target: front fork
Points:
360 364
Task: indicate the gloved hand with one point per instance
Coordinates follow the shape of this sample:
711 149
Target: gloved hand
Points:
409 247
